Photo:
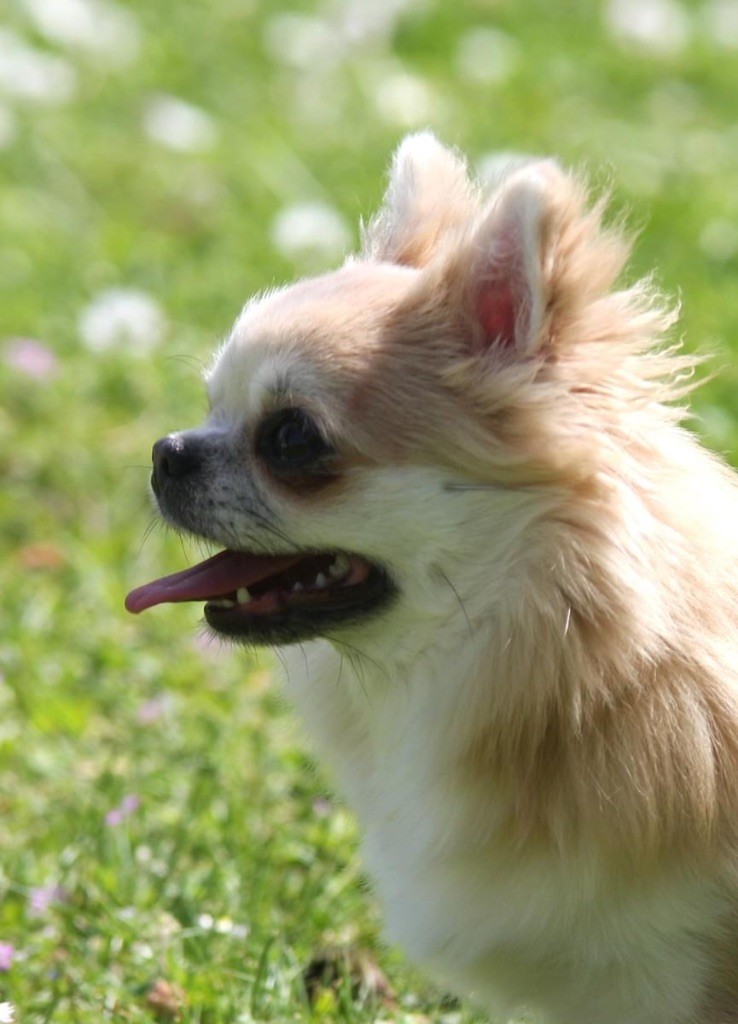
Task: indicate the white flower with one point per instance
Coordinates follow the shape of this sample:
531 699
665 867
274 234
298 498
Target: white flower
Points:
719 240
360 21
310 230
661 27
301 41
122 318
7 1013
29 74
486 55
92 25
406 100
178 125
721 21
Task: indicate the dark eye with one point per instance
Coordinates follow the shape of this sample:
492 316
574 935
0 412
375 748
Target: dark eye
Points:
290 440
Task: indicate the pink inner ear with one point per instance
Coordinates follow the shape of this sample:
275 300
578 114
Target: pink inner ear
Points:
496 312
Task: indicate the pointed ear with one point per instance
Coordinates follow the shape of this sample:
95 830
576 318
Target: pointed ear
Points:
429 194
499 270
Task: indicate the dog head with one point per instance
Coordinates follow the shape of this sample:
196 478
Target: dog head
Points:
385 441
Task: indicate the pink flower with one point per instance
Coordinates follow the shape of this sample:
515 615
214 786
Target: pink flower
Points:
7 953
152 710
41 898
124 810
31 357
322 807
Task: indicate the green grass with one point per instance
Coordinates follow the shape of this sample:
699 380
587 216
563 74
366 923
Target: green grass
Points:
233 868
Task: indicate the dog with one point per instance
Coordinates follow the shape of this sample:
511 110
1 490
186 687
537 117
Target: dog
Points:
457 468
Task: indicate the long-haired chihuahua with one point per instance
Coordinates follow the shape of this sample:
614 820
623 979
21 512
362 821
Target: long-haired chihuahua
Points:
454 469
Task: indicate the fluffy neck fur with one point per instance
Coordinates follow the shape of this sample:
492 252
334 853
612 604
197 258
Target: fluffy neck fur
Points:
546 778
595 687
573 701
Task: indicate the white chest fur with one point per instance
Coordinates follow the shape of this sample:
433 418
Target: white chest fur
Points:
514 926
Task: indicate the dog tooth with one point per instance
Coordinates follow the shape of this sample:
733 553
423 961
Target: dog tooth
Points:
321 581
339 566
243 595
222 602
297 587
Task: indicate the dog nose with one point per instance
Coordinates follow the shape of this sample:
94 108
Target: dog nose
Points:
173 457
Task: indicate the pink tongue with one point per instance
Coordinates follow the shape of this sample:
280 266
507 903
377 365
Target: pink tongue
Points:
216 577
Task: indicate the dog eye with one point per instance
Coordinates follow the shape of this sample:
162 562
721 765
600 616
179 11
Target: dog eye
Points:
290 440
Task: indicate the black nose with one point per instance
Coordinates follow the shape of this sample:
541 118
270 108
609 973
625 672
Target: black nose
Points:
173 457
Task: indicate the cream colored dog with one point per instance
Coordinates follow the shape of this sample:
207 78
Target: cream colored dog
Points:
455 466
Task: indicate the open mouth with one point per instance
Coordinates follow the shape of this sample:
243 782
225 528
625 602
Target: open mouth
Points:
273 599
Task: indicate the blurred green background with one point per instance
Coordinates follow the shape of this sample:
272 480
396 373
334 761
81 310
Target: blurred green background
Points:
166 851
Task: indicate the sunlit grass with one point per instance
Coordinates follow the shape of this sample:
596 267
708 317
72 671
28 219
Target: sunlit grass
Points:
167 851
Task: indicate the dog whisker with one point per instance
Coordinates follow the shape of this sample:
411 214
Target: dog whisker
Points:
461 604
451 486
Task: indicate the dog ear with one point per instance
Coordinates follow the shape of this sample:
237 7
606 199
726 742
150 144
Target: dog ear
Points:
429 194
498 272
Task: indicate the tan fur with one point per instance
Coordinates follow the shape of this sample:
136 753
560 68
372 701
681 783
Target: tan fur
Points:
602 712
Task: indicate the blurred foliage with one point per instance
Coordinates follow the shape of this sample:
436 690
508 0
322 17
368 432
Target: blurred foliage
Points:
176 161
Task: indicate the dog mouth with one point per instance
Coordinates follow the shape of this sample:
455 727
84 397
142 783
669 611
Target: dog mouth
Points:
273 598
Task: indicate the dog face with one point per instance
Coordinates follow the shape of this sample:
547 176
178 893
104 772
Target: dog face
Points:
385 440
325 463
